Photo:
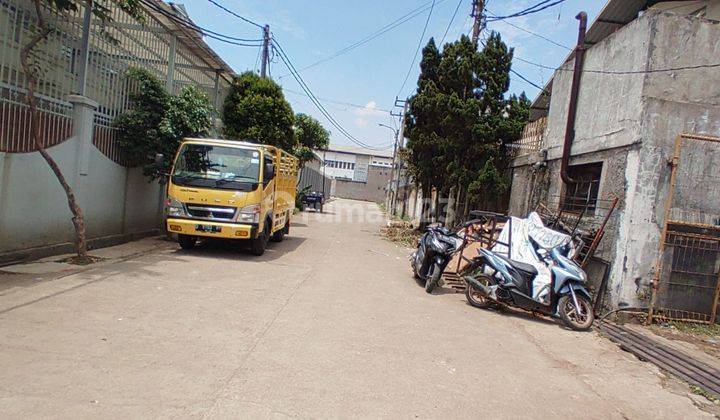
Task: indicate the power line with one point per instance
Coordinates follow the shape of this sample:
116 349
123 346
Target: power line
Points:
286 60
388 27
191 25
257 59
531 32
332 101
452 19
235 14
622 72
422 37
527 81
532 9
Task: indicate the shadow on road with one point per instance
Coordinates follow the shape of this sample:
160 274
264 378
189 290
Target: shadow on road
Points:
235 251
524 315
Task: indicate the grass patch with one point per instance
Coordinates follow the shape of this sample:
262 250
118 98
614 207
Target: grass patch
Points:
703 392
75 260
711 330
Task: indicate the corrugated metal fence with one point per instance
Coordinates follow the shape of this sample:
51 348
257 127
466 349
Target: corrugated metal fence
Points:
315 180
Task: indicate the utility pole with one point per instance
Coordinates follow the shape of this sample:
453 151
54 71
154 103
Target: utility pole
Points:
265 51
478 13
399 144
324 164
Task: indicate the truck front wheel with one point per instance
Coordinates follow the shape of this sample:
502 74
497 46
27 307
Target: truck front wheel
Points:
258 245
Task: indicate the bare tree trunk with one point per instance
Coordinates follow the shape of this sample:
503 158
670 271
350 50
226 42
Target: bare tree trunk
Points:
425 208
31 73
451 207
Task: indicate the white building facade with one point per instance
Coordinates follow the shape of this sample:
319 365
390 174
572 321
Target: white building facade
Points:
352 163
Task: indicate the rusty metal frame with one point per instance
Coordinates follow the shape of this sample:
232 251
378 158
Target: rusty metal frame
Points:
487 236
674 162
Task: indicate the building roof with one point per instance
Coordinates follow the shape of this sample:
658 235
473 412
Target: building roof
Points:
613 16
358 151
190 38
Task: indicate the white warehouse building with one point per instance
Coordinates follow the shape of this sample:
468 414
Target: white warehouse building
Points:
352 163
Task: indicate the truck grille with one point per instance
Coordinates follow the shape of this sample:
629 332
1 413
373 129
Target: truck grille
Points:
212 213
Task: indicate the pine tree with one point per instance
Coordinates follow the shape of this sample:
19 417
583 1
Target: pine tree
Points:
460 120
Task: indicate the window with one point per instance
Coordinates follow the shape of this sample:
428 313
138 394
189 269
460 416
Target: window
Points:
583 193
202 165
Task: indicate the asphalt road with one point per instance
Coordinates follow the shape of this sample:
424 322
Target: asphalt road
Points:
328 323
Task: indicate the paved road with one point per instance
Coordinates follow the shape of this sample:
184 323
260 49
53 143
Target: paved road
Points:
328 323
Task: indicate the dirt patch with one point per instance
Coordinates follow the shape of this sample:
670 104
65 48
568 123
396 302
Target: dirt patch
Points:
705 337
75 260
400 233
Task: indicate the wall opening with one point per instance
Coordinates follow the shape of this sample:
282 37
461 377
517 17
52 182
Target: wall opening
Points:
582 195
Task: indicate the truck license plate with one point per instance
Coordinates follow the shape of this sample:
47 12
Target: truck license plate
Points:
208 228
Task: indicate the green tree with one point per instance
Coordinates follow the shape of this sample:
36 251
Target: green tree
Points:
310 134
32 69
255 110
156 121
460 121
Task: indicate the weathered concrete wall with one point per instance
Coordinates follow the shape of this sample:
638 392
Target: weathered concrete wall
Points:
372 190
609 107
33 207
673 103
629 122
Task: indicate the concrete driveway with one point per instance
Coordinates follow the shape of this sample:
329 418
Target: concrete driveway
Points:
328 323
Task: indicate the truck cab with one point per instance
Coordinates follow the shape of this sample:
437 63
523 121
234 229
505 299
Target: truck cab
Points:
227 189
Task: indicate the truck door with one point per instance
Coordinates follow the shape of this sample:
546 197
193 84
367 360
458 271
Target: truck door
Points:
269 185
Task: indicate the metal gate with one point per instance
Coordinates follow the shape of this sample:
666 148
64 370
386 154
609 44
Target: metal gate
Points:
687 274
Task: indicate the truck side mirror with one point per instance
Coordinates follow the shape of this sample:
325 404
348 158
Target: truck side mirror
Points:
269 172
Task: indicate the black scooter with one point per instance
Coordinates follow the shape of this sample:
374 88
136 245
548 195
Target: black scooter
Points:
434 251
511 283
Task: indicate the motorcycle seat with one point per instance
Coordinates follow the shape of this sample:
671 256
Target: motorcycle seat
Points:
521 266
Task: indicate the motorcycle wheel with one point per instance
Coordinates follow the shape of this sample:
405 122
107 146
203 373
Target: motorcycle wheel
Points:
474 297
570 316
414 270
432 280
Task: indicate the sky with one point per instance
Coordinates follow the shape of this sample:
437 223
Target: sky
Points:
359 88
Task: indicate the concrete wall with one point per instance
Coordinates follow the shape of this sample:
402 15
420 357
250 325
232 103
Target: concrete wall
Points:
629 122
709 8
372 190
673 103
33 207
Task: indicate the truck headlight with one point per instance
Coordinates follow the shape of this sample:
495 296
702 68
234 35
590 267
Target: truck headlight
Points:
174 208
250 214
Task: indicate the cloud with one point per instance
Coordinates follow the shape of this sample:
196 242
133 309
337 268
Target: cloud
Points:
370 110
361 122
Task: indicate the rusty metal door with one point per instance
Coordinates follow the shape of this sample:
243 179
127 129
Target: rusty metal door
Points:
687 272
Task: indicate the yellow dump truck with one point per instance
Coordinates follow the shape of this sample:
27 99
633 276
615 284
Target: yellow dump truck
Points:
231 190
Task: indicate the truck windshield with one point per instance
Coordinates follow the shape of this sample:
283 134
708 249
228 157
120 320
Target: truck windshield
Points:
216 166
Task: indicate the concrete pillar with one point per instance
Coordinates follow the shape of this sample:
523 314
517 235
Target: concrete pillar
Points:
84 49
83 122
3 181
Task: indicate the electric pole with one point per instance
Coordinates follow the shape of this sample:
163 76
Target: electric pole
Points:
477 13
397 160
265 51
